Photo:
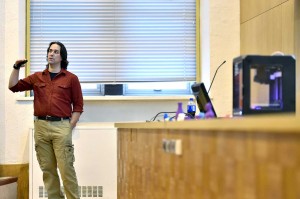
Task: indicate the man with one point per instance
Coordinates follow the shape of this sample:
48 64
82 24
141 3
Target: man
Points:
58 104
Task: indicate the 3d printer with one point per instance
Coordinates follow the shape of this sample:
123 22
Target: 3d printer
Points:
263 84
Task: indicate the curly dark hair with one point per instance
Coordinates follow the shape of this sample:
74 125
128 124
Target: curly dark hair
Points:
63 54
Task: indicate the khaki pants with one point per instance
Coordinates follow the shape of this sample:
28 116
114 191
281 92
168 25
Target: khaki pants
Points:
54 148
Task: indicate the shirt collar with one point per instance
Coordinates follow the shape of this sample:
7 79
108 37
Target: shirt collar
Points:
62 71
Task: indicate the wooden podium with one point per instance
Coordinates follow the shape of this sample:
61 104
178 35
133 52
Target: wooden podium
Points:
234 158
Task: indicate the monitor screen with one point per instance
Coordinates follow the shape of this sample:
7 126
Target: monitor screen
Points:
203 101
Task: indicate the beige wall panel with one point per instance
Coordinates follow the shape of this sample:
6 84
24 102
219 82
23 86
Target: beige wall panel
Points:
297 51
288 27
274 24
248 37
262 34
253 8
277 29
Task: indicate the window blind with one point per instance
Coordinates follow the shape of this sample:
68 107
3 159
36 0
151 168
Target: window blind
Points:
118 40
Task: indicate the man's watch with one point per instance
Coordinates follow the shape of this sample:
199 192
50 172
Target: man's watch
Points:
17 67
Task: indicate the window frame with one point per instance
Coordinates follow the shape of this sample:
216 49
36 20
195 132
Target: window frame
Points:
99 91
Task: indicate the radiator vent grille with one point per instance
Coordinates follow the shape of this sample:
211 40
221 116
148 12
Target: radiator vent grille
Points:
84 191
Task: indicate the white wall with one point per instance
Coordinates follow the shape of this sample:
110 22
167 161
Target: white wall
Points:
2 75
224 45
222 33
16 114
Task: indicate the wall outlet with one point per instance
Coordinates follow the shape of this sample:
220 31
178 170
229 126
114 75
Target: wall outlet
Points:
172 146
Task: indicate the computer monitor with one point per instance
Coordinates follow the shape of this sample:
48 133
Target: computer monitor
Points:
203 101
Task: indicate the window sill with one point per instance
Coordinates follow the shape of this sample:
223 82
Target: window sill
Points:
122 98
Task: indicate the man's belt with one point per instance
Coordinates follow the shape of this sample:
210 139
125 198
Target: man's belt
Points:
52 118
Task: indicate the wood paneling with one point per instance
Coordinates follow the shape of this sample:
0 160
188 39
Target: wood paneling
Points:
22 172
214 164
269 32
272 25
297 50
263 34
253 8
288 27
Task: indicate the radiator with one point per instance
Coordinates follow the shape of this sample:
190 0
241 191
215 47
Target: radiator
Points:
95 162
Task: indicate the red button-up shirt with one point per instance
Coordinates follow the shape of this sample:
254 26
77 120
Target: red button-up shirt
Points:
57 97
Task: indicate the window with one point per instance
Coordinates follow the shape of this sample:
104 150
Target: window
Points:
119 41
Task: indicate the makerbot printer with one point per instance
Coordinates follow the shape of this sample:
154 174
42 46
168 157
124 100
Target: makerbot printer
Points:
263 84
